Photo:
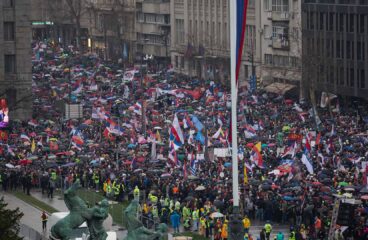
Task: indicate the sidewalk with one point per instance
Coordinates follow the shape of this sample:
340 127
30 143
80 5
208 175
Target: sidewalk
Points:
32 215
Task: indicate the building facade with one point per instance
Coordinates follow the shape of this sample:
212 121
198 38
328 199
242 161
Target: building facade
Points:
111 28
15 57
335 38
153 29
278 24
200 34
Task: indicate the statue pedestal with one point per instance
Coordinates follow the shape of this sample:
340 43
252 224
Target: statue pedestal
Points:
236 230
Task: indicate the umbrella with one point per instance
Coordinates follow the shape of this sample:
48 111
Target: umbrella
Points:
69 165
189 198
343 184
227 164
165 175
191 177
216 215
200 188
364 197
8 165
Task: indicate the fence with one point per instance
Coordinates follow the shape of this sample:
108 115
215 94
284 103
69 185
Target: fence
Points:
29 233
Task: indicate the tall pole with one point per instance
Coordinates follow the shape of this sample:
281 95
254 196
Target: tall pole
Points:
235 227
234 142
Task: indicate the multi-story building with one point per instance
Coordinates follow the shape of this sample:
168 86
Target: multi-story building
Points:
15 57
111 28
153 29
200 33
58 21
335 46
278 24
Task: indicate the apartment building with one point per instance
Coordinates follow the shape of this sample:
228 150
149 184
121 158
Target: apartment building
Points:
15 57
335 38
279 32
153 30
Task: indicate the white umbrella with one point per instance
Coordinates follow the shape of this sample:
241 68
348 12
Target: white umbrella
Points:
200 188
216 215
8 165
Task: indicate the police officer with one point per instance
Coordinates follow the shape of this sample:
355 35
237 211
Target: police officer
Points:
136 193
268 229
96 179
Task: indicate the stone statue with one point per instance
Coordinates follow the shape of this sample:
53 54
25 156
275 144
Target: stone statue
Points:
80 213
136 230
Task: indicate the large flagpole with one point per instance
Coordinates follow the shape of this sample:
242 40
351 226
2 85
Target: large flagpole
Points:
234 137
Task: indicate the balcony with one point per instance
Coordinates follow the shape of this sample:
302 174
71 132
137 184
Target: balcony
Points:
156 8
280 16
281 43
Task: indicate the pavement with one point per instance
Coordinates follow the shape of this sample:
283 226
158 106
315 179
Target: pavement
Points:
32 216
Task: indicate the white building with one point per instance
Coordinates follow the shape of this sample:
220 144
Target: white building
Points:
278 24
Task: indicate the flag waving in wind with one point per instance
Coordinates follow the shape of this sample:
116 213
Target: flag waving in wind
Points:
241 19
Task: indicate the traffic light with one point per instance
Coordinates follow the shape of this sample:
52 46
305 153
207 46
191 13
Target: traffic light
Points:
345 216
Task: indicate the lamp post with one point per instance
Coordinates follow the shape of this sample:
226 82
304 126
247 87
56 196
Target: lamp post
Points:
143 90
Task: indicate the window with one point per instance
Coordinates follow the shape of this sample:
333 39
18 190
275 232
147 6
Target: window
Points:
9 31
351 22
351 80
342 76
267 5
361 23
10 64
268 59
177 61
8 3
362 78
179 25
280 5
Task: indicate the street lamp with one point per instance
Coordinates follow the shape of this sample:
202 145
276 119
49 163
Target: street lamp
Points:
143 90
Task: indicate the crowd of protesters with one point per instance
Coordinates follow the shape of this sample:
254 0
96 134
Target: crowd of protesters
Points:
295 160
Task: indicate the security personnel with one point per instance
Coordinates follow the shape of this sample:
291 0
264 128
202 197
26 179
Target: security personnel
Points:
195 217
117 191
177 206
154 211
96 179
136 193
186 213
108 190
154 200
167 202
246 224
268 229
292 235
53 175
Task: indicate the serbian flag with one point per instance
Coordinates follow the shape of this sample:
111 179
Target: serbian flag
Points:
241 18
176 134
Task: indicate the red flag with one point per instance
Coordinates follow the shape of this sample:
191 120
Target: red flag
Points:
318 139
54 146
3 136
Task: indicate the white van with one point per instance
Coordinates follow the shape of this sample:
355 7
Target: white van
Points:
77 234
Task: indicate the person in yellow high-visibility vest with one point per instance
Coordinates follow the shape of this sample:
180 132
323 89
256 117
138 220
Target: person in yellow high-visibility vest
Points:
136 193
246 224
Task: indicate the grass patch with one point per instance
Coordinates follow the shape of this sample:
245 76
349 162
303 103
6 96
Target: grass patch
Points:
116 210
34 202
194 236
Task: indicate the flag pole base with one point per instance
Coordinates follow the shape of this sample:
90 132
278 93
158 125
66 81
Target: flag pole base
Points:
236 230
